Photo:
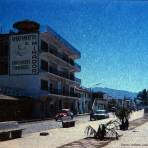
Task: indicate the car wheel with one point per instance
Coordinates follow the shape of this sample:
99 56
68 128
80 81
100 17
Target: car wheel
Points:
91 118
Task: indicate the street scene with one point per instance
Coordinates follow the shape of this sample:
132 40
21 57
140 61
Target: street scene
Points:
73 74
66 135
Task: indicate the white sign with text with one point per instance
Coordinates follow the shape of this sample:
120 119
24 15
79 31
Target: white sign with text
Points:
24 54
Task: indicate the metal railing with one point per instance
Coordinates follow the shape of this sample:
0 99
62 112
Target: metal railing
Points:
77 80
77 65
64 92
63 74
58 37
65 58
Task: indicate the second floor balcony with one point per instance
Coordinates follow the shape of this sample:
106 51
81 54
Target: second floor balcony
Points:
64 92
64 74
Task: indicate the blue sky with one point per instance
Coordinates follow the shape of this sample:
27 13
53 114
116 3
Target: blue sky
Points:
112 36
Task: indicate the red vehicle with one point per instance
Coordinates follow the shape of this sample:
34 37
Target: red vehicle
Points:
64 113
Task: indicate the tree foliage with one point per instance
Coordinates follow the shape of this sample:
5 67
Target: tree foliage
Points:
123 114
112 103
143 96
104 130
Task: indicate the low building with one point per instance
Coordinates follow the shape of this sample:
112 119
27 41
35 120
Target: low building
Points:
84 104
100 101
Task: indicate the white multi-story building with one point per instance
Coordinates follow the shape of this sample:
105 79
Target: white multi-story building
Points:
41 65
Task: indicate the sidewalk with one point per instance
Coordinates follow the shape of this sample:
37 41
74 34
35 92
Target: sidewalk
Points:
57 137
137 138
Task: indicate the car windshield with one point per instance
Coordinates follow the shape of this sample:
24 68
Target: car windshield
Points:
100 111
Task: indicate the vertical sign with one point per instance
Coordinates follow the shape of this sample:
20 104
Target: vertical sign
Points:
24 54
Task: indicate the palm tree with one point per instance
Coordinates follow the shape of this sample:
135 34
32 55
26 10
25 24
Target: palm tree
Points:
123 114
143 96
112 103
103 130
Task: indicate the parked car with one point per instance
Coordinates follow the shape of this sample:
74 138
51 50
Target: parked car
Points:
99 114
113 109
64 113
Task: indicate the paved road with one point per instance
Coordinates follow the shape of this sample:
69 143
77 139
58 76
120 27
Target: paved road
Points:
38 126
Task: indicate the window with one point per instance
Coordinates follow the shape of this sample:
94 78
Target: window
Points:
44 46
4 46
3 68
53 68
72 76
44 65
65 57
4 56
72 89
71 61
44 85
53 87
53 50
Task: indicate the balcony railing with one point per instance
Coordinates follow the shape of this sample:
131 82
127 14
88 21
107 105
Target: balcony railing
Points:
64 57
77 80
51 31
63 74
64 92
77 65
53 70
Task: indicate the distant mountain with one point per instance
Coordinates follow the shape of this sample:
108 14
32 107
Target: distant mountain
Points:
120 94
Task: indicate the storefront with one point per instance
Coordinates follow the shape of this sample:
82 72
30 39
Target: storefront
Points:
12 108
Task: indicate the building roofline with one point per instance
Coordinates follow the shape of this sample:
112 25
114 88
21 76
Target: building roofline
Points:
61 39
84 89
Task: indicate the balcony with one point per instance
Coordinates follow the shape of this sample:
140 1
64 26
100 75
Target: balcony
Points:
77 80
53 70
75 53
63 74
64 93
77 66
52 50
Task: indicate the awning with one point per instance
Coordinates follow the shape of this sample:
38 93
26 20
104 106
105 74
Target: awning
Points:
60 97
4 97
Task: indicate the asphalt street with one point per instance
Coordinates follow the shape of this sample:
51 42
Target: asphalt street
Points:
38 126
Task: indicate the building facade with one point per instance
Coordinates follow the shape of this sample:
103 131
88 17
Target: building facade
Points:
84 104
41 65
100 101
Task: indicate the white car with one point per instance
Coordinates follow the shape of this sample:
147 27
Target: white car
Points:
99 114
